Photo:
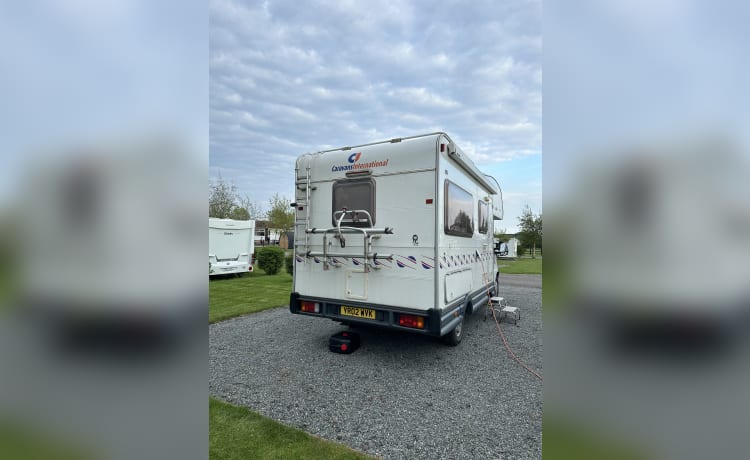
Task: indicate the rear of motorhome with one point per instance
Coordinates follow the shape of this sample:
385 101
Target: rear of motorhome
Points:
397 233
230 246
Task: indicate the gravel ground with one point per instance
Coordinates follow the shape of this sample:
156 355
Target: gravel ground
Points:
400 395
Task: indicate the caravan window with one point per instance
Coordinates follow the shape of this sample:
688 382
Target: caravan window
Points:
459 211
483 216
354 194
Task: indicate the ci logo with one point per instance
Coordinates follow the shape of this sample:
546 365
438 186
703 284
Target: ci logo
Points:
354 157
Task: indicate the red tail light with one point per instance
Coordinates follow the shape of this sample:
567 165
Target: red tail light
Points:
310 307
416 322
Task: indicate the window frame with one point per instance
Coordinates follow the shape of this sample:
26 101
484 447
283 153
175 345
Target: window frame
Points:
486 205
446 206
348 183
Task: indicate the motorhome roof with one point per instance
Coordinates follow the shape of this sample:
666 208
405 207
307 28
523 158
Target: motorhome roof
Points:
215 222
457 154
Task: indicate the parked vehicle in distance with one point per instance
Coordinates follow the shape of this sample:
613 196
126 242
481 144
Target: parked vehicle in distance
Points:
507 249
230 246
501 248
397 233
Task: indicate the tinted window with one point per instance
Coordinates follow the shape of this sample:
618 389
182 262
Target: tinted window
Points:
483 216
459 211
357 194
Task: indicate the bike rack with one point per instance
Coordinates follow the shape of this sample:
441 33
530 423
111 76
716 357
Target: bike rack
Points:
368 234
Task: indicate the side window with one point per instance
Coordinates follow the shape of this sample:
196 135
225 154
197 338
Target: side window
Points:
483 216
354 195
459 211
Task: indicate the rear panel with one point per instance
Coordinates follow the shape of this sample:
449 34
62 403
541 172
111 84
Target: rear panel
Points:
403 186
229 239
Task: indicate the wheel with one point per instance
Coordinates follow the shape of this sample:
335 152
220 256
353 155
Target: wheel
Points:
454 337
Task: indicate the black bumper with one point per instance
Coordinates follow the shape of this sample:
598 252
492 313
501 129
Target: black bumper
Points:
437 322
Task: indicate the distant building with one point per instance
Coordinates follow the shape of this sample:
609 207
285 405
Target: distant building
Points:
264 235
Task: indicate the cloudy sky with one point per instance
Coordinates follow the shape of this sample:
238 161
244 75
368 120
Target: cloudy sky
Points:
79 72
293 77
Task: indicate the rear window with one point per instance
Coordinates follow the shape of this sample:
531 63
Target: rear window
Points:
354 195
459 211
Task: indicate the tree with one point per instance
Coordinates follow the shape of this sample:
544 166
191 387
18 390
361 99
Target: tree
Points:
253 209
225 203
503 235
239 213
271 259
221 199
246 209
280 214
531 229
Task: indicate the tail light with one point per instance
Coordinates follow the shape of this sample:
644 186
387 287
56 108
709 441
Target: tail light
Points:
413 321
310 307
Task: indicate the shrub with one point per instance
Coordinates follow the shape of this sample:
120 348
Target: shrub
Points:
290 264
520 251
270 259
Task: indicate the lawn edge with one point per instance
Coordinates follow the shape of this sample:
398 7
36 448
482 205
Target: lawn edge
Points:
289 427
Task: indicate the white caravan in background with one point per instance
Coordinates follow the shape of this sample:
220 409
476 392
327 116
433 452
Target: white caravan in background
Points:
507 249
397 233
230 246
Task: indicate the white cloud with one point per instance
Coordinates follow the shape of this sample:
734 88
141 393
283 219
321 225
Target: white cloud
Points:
250 119
288 78
422 97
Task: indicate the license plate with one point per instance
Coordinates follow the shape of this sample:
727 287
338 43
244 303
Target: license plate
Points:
358 312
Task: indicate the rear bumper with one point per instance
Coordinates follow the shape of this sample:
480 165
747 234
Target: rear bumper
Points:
225 268
437 322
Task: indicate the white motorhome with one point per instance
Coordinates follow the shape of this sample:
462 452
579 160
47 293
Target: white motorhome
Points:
230 246
506 249
395 233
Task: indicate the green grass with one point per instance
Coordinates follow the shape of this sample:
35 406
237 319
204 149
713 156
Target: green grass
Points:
566 441
17 441
522 266
237 432
253 292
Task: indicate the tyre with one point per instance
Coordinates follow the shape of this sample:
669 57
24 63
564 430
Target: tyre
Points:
454 337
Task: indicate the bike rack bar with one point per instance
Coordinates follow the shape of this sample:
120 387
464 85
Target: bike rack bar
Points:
368 233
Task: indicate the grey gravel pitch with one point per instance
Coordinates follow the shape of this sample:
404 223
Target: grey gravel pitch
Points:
400 395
